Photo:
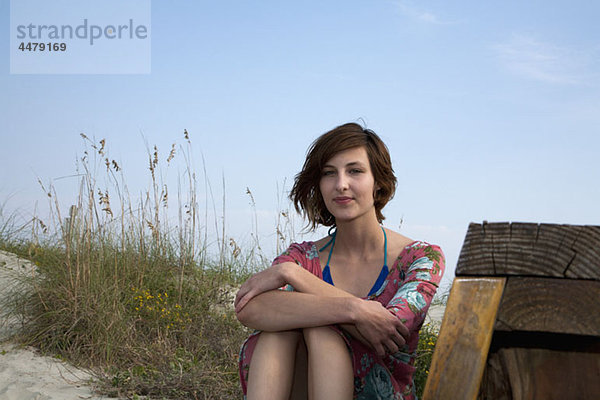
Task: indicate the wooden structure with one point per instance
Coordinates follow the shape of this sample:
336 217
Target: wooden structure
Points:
523 316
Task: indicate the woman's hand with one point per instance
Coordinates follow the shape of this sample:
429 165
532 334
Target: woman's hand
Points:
379 327
268 279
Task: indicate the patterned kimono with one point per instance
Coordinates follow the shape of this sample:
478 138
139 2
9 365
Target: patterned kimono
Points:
407 292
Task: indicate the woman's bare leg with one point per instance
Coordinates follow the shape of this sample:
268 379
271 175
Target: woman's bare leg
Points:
272 366
330 375
300 385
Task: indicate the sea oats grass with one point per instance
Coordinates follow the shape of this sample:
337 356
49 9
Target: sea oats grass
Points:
127 288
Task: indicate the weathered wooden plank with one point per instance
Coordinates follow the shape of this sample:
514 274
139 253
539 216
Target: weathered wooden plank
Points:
494 383
474 255
461 350
499 234
522 241
535 373
562 251
586 263
552 247
550 305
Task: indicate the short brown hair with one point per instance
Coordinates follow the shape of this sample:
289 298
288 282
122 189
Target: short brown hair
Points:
305 193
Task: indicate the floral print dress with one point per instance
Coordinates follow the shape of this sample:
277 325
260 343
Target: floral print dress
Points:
407 292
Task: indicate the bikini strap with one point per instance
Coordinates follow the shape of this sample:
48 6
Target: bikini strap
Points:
384 270
332 243
326 272
384 248
331 240
382 275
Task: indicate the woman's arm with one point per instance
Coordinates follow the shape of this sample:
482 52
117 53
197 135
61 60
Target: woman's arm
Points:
279 275
321 304
391 333
278 310
423 276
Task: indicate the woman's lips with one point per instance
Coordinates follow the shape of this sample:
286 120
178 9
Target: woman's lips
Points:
342 200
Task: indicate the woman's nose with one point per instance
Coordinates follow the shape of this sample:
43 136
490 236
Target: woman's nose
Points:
342 182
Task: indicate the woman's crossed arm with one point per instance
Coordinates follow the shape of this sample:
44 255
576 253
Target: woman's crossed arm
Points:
315 303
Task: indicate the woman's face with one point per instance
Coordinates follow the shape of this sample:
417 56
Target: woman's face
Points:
347 185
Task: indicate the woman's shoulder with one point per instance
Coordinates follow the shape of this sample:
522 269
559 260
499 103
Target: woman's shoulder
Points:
404 247
305 254
307 244
321 242
300 250
397 242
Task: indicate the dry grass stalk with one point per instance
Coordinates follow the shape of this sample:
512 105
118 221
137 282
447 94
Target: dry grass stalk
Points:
84 304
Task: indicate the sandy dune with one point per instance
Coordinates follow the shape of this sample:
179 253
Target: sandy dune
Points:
436 314
24 374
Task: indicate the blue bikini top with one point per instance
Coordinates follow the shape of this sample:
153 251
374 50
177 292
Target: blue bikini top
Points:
382 275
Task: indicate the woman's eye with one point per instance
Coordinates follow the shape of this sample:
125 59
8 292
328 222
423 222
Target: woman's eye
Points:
328 173
355 171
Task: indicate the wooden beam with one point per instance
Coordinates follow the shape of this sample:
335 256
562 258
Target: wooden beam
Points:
527 249
461 350
550 305
530 373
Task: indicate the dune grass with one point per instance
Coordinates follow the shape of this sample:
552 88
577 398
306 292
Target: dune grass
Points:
124 290
130 290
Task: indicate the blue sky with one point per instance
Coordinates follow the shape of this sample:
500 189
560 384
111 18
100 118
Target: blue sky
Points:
490 111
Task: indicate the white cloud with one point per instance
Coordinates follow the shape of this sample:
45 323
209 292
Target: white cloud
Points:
428 17
531 58
409 10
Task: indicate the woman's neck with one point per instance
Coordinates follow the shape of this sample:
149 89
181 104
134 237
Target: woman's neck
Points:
359 239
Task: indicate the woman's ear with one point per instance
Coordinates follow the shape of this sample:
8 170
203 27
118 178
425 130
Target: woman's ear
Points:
375 190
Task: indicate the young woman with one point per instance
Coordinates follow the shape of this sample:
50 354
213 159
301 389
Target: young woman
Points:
345 322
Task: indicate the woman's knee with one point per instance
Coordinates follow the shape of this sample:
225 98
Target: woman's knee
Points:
330 370
316 332
280 341
323 337
271 371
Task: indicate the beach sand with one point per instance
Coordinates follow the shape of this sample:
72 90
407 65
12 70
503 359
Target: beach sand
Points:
25 374
436 314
